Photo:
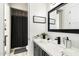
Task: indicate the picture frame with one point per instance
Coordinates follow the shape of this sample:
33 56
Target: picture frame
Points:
39 19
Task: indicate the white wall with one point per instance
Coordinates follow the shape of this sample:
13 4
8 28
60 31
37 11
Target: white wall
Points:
74 8
1 29
52 5
8 29
21 6
36 9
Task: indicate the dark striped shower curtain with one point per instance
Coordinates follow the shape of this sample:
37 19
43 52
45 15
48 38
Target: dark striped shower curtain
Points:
19 31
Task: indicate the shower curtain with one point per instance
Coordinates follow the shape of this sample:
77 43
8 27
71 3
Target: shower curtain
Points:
19 31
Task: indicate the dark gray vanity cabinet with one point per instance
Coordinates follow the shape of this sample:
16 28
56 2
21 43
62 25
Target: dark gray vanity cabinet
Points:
38 51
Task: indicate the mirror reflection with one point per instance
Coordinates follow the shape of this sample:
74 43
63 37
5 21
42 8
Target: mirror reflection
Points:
64 17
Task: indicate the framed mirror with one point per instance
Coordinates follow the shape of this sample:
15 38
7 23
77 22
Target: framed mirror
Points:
64 18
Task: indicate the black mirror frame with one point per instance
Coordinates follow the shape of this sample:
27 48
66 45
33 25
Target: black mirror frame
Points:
76 31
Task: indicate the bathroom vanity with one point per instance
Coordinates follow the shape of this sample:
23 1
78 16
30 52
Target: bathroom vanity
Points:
43 47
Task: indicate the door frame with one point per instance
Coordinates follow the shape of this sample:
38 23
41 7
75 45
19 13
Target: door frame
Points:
8 29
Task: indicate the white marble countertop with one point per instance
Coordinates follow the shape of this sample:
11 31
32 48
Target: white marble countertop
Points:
49 47
71 51
54 49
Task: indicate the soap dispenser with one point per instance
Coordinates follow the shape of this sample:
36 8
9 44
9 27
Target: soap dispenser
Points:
68 43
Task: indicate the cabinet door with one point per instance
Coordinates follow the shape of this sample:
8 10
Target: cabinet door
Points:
40 52
36 50
45 54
